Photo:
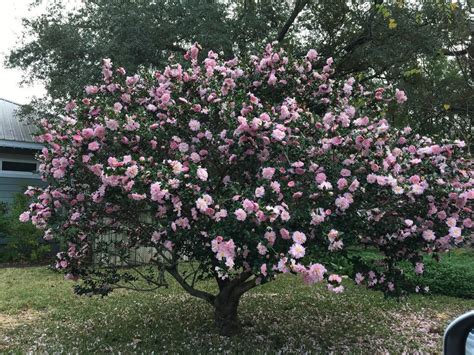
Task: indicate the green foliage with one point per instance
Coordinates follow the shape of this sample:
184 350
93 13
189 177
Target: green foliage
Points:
21 241
453 275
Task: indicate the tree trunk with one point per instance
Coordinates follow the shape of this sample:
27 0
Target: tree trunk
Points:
225 313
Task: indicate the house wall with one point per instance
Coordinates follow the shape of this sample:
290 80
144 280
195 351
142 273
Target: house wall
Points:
12 182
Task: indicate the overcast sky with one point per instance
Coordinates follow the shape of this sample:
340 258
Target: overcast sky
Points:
10 28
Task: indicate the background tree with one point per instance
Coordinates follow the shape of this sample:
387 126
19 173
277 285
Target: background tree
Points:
244 169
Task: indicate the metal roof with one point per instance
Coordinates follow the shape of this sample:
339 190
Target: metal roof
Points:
13 132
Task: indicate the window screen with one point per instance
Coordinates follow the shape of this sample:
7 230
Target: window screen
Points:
18 166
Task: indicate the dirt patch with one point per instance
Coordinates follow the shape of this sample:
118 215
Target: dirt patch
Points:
12 321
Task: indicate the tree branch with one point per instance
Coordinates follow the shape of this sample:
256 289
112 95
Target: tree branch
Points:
299 6
175 48
173 271
454 53
246 286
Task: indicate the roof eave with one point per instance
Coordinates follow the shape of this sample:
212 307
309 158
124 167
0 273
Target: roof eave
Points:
21 145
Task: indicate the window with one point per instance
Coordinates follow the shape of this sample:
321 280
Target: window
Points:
18 166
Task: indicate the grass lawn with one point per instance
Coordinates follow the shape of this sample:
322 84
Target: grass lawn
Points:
40 313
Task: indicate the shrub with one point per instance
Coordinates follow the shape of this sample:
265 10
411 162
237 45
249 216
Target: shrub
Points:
21 242
248 169
453 275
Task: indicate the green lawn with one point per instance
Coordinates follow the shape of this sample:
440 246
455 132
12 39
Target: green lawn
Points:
40 313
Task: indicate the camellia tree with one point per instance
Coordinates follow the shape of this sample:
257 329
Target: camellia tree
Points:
239 171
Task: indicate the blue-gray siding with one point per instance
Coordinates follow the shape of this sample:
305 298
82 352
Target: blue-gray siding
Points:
11 185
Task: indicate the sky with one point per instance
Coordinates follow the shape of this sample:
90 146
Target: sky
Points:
10 29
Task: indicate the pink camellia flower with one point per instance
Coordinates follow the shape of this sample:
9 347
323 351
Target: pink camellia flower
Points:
267 173
299 237
137 197
275 185
165 98
419 268
91 89
278 134
297 251
270 236
285 216
262 249
24 217
359 278
156 236
468 223
259 192
284 233
176 166
398 190
240 214
315 273
132 80
371 178
320 178
157 194
442 215
400 96
379 93
111 124
417 189
93 146
332 235
354 185
312 55
341 184
202 204
132 171
183 147
263 269
87 133
451 222
429 235
194 51
362 121
202 174
168 244
272 79
117 107
194 125
345 172
455 232
195 157
99 131
342 203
